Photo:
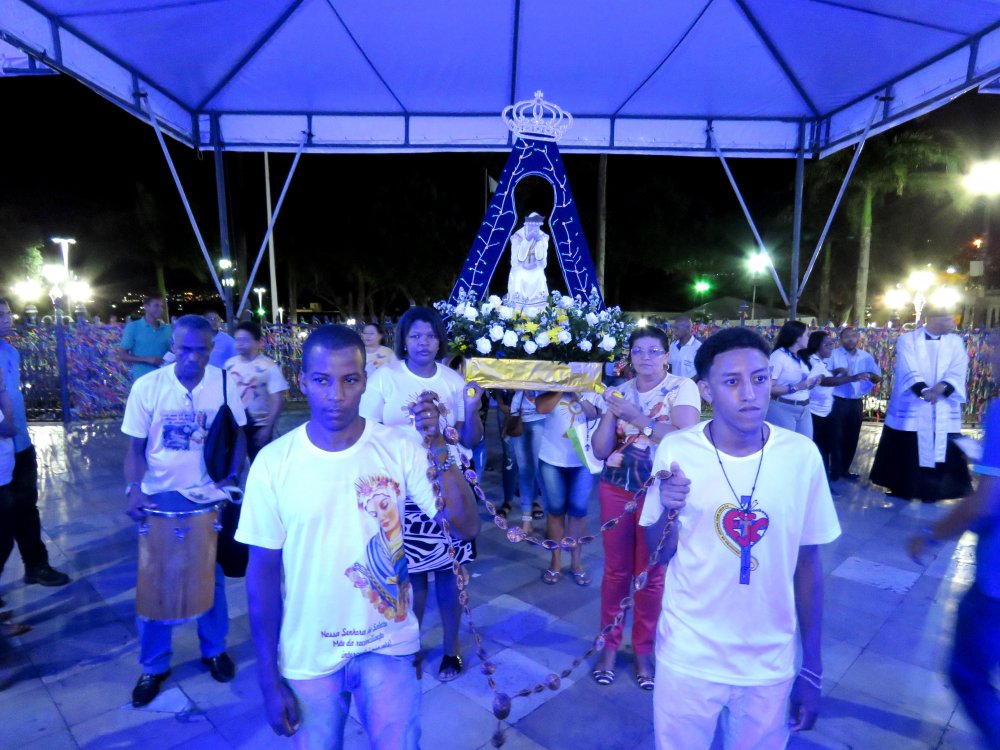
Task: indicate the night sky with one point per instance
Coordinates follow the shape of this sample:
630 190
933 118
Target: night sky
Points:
390 229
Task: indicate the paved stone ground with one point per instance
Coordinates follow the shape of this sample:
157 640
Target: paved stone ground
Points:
66 684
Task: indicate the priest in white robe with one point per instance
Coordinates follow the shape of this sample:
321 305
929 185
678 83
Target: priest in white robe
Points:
916 455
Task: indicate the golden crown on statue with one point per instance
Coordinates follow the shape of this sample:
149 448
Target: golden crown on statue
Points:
537 119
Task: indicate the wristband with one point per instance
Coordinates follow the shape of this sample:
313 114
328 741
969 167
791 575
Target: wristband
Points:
814 679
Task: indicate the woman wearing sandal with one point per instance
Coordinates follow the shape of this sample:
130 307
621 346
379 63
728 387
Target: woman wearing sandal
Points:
640 413
420 342
566 480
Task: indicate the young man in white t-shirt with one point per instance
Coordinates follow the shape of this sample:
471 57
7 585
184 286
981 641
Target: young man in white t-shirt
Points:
262 386
743 563
167 416
328 587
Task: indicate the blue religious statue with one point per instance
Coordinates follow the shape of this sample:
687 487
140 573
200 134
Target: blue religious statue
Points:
527 289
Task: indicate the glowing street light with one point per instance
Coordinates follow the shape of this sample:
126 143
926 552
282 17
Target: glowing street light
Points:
946 297
983 179
78 290
28 290
700 287
281 316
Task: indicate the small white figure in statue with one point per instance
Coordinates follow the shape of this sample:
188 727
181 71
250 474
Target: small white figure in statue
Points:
527 289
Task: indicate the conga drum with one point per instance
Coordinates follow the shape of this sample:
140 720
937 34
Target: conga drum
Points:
177 543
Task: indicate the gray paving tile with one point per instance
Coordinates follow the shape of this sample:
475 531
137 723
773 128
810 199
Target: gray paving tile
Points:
917 690
61 739
31 716
879 575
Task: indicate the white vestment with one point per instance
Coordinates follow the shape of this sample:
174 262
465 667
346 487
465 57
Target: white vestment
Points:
919 360
527 289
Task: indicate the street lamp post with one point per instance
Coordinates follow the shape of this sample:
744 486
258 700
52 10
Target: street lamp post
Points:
756 263
57 275
64 243
259 291
920 282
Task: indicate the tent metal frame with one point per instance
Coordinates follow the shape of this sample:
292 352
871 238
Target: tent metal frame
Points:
813 133
820 141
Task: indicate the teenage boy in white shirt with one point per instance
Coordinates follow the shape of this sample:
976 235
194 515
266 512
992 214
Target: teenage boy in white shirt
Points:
742 563
327 586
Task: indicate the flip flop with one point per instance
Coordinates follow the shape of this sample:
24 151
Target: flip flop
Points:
582 578
551 577
603 676
450 668
504 509
645 681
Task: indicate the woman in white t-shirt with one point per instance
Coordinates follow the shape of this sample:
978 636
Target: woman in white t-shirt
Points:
817 352
376 355
640 413
420 341
791 381
567 481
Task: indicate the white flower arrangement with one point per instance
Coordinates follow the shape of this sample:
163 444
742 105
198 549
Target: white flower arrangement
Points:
565 330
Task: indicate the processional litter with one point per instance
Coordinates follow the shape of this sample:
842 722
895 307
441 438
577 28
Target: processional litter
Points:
535 338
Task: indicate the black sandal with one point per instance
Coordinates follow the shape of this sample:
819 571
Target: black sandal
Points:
536 511
450 668
504 509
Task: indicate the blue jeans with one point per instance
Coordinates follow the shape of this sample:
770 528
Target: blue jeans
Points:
526 447
388 696
213 627
791 417
479 459
509 472
975 657
567 489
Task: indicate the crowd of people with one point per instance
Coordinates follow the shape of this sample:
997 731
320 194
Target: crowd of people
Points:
348 517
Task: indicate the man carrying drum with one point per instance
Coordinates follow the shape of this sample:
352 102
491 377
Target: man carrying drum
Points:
328 590
167 417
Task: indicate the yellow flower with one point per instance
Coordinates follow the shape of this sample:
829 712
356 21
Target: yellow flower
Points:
554 333
531 326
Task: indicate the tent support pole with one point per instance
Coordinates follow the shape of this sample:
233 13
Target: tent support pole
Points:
800 174
746 212
270 243
180 190
840 195
220 191
270 227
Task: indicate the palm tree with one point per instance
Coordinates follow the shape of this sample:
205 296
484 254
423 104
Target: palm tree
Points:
922 162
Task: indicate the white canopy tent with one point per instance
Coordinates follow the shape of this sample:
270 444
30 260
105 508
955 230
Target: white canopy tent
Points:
761 78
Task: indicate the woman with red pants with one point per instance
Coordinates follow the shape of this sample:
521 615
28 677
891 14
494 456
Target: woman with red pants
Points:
640 413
